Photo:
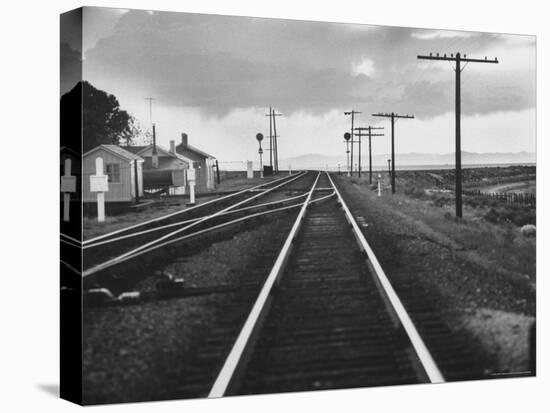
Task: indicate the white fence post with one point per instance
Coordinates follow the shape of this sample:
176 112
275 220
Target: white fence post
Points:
249 170
68 185
99 183
191 177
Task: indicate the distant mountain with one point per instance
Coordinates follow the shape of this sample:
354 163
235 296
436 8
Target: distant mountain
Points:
317 161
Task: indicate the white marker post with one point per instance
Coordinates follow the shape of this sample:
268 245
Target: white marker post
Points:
379 190
249 170
191 177
99 183
68 185
290 169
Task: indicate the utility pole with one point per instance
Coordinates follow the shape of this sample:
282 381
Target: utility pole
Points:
347 155
150 109
352 113
458 59
275 136
270 139
389 167
359 135
393 116
154 153
273 154
370 135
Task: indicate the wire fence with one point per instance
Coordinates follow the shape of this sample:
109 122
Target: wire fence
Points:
520 198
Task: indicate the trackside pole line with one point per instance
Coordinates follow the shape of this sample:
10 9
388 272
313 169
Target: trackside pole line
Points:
422 352
188 221
118 231
116 260
226 373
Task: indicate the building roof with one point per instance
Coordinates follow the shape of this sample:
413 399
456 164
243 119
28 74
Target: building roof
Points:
167 159
162 152
66 149
117 151
191 150
135 149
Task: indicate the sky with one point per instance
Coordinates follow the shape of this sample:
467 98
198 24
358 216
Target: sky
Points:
214 78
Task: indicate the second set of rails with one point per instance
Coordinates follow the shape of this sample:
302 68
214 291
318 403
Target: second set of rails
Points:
109 250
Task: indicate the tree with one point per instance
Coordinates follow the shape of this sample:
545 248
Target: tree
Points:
95 116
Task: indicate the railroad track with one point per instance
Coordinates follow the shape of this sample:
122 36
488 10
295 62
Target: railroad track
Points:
326 317
318 313
173 219
110 250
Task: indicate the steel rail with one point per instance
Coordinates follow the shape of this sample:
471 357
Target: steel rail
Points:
70 267
71 243
175 224
118 231
115 260
230 365
70 238
222 225
426 359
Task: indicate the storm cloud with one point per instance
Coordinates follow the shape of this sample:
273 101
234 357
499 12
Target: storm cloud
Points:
220 63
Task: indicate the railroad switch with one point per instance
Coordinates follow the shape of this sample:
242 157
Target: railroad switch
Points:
168 281
98 296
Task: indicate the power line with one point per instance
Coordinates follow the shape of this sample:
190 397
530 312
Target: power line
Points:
150 99
270 138
393 116
273 150
370 135
458 59
352 113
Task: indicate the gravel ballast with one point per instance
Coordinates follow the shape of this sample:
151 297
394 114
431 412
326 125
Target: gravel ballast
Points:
148 351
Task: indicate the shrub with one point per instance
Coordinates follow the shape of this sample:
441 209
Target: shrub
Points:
492 216
414 191
515 214
441 200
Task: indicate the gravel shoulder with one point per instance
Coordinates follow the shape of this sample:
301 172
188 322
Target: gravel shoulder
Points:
481 277
152 350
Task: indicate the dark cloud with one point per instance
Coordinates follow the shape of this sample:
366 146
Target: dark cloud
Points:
70 53
220 63
70 68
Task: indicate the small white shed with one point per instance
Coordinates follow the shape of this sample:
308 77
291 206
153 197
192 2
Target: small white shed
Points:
120 166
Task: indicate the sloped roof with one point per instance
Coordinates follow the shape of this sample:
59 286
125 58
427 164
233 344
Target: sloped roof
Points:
134 149
117 151
193 150
167 159
139 150
69 150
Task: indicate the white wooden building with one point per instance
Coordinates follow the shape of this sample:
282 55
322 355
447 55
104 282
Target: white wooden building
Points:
168 170
203 162
120 166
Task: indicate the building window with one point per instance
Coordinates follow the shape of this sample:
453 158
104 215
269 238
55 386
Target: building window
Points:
113 172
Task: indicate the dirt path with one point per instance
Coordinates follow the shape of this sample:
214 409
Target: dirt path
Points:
528 187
